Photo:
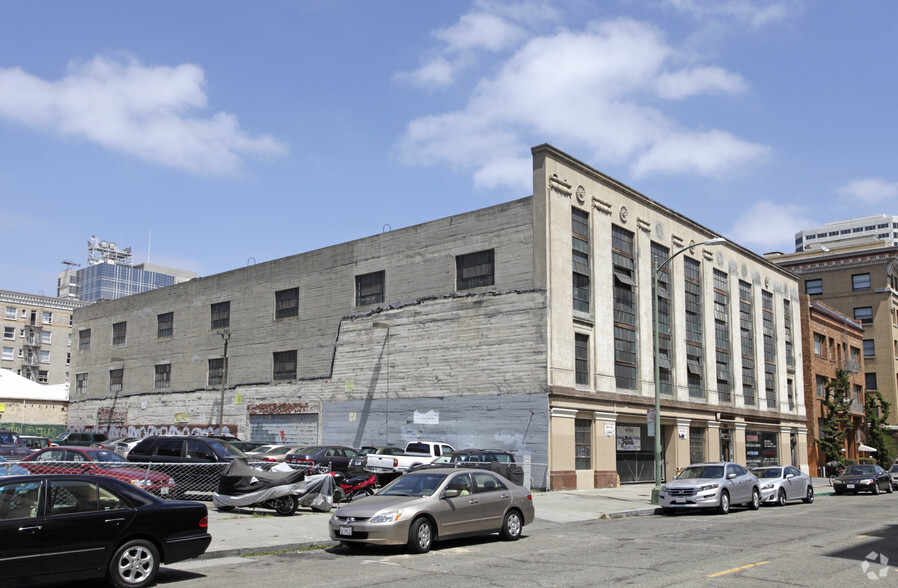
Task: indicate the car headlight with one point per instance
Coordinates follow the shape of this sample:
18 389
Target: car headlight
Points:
837 482
386 517
663 487
140 483
866 481
767 486
708 487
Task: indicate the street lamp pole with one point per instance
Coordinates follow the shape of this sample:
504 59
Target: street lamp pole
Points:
225 335
656 352
380 325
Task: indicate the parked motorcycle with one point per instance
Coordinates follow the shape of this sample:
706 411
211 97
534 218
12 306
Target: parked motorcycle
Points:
351 488
243 485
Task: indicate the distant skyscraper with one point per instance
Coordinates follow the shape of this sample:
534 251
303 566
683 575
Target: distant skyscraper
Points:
110 274
879 227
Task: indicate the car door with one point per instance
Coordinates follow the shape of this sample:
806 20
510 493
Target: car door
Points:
463 510
77 534
20 529
797 484
495 498
741 483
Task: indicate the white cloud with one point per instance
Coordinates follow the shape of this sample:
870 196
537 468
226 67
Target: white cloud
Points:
770 226
700 80
480 30
589 90
137 109
755 13
871 190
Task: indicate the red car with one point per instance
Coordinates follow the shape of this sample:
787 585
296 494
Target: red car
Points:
98 462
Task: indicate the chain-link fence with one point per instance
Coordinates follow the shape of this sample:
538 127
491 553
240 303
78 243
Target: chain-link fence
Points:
527 474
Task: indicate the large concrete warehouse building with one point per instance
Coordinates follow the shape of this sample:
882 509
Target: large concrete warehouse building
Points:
525 326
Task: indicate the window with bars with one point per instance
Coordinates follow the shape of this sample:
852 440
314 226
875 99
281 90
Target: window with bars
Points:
624 304
165 325
694 332
119 330
583 444
81 383
163 376
696 444
221 315
370 288
474 270
722 334
285 365
580 255
84 339
660 254
286 303
116 378
216 371
746 333
581 359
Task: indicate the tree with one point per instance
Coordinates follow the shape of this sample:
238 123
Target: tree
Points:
836 419
876 411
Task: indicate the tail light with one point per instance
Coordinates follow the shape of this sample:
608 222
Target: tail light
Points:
204 522
307 462
269 459
395 463
530 497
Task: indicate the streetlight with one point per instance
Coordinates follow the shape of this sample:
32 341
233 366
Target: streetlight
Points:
225 335
656 269
380 325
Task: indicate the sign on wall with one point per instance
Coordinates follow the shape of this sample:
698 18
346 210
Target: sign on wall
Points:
628 439
427 417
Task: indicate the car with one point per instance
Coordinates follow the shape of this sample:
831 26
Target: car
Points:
782 483
357 463
482 458
11 469
715 485
432 505
246 446
893 472
84 439
335 457
11 446
110 443
276 454
196 462
99 462
123 446
61 528
862 478
34 442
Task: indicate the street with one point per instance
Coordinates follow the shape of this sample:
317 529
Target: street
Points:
822 544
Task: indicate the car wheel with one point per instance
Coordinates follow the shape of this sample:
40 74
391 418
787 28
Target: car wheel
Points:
781 497
285 505
809 497
134 565
875 487
511 527
889 488
755 503
420 536
225 508
724 506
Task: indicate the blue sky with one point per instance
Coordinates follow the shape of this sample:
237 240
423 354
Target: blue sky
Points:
209 135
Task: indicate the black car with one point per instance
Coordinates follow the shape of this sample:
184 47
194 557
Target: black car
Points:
82 439
11 446
59 528
194 462
862 478
497 460
335 457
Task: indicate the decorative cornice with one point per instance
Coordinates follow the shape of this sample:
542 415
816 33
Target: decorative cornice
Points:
560 186
644 225
601 205
564 413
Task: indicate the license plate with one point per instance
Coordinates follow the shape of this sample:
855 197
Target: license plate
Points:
345 531
849 486
680 500
163 491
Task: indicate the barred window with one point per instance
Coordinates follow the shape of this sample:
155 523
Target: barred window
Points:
696 444
583 444
165 325
216 371
81 383
370 288
581 358
163 375
115 380
474 270
221 315
285 365
286 303
118 333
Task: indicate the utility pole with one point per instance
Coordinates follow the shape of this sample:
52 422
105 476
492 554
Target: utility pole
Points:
225 335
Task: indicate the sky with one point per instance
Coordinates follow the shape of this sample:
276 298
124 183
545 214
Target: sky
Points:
210 135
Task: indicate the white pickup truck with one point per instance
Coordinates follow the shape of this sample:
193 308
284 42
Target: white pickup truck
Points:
416 453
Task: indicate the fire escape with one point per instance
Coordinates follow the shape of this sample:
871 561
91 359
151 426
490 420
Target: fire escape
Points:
31 353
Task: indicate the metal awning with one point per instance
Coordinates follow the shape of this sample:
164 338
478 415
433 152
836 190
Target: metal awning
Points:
866 448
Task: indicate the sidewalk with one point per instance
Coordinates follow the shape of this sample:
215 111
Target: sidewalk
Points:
240 532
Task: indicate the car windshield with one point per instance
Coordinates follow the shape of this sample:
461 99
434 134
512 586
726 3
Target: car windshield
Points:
413 485
311 450
280 450
693 472
231 451
9 438
768 472
865 470
894 469
106 456
448 458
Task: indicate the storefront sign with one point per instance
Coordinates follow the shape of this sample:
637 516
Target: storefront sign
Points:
609 429
628 439
761 448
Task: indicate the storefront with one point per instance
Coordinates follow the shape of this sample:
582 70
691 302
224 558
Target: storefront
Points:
636 453
761 448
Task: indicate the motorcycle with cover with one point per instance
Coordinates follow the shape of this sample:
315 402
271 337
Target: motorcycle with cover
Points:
279 490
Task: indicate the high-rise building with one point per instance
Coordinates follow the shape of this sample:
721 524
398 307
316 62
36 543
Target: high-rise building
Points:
110 274
845 232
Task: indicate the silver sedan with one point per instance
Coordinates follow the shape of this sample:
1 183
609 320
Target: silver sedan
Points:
421 507
782 483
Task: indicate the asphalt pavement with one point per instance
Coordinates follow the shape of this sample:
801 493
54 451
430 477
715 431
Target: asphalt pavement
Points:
244 531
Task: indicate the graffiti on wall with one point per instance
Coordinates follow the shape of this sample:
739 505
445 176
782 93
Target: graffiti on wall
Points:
139 431
107 416
280 408
48 431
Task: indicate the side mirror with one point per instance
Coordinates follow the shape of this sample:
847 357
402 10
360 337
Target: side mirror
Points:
451 493
790 476
732 476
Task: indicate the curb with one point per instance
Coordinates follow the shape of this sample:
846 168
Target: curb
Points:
244 551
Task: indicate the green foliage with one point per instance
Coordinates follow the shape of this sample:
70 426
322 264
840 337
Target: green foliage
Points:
848 461
837 417
876 411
